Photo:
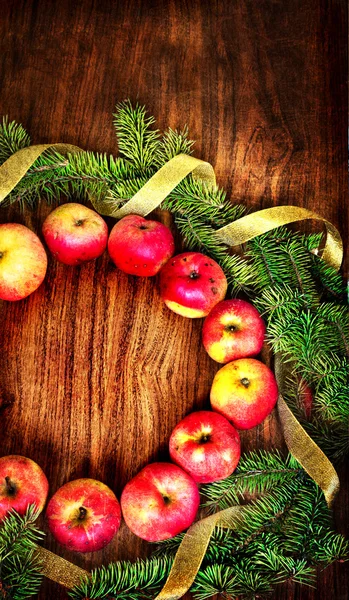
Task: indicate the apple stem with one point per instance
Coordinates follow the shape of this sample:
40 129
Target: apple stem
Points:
82 513
9 485
205 438
245 382
79 222
194 275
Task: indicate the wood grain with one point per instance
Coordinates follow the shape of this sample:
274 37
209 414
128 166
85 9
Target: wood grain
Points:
96 371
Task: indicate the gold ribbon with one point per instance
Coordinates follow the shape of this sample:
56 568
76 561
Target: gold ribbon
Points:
163 182
195 542
248 227
302 446
15 167
192 550
60 570
308 454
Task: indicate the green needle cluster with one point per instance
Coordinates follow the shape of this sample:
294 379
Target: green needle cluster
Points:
20 576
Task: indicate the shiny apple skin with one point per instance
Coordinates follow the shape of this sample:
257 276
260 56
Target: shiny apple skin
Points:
233 329
191 284
23 262
75 234
97 527
244 406
139 246
26 484
206 446
160 502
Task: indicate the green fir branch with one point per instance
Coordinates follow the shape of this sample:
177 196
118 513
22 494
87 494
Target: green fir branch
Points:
140 580
329 282
20 576
173 142
257 473
76 175
314 339
281 258
13 137
241 581
138 142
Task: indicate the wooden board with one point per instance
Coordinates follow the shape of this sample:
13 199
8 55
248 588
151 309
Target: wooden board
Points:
98 370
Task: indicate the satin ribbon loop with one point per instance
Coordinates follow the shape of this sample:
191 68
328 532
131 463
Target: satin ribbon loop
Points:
250 226
160 185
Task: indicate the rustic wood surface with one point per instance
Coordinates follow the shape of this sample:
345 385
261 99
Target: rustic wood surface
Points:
96 370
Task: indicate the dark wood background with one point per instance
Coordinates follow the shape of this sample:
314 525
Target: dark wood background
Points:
99 371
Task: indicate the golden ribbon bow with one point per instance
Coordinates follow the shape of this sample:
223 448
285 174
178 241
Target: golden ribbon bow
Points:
195 542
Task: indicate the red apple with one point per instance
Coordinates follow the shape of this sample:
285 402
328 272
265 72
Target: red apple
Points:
233 329
23 261
22 482
140 247
245 392
75 233
192 284
206 446
84 515
159 502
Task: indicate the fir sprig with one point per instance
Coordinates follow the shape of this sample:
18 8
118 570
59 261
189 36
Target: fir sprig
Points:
13 137
20 576
138 142
241 582
280 258
173 142
140 580
272 470
313 336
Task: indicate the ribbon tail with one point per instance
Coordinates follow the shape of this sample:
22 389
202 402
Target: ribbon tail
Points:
60 570
302 446
192 550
